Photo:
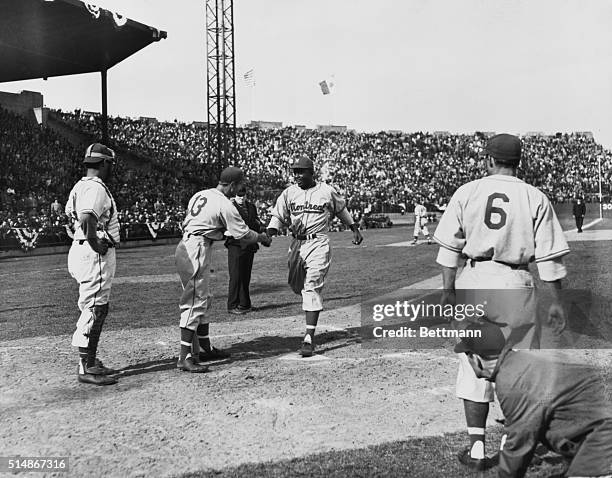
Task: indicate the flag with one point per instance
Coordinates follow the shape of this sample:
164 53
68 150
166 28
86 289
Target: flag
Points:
328 85
249 78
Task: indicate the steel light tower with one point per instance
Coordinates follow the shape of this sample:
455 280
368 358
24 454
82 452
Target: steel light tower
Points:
221 89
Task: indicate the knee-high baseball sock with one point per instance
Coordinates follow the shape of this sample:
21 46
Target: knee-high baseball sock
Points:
100 312
83 352
203 337
312 317
476 417
186 339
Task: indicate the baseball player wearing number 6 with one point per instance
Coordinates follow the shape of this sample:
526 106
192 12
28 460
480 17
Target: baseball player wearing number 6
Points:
209 214
498 225
307 209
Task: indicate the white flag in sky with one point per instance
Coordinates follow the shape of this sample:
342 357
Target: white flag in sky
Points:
327 86
249 78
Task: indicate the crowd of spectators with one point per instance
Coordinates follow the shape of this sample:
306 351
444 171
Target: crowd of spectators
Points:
376 172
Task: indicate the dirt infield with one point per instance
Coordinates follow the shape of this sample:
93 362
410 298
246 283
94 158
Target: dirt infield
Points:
263 405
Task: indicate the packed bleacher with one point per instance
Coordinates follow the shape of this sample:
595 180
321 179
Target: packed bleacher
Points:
376 172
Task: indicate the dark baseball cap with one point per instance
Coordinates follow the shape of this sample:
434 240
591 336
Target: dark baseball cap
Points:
231 174
489 343
505 147
303 162
97 152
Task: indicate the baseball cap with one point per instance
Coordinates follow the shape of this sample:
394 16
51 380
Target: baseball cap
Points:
505 147
231 174
490 343
97 152
303 162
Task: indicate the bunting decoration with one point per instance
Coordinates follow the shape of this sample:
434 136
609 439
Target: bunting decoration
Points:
154 228
27 237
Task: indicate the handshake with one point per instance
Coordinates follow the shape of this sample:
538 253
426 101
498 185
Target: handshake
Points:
264 239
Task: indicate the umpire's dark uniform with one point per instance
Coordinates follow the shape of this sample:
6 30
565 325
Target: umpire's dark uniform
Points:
545 399
240 260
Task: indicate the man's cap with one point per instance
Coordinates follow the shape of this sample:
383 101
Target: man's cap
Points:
490 343
504 147
97 152
303 162
231 174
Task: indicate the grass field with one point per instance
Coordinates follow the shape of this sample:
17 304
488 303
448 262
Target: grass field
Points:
38 313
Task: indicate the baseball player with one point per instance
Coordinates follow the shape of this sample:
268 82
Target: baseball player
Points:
209 214
546 397
91 260
307 208
500 224
420 221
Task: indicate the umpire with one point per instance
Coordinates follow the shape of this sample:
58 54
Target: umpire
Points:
547 397
240 257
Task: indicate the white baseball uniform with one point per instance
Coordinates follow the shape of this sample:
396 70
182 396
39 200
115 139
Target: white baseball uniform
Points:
209 214
500 224
93 272
309 213
420 220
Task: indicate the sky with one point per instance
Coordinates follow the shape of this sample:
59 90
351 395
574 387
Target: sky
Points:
512 66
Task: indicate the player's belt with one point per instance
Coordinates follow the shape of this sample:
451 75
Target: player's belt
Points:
304 237
83 241
473 261
192 234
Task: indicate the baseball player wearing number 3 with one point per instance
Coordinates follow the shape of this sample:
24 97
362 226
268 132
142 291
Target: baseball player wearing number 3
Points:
209 214
500 224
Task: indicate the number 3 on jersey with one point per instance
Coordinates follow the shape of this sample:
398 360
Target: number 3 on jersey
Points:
197 205
500 214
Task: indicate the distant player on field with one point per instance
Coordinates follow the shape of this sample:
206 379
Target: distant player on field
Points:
500 224
420 221
307 209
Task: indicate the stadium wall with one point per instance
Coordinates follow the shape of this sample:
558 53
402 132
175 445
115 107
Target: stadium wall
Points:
23 104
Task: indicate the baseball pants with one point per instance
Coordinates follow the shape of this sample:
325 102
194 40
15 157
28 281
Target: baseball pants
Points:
508 296
193 256
420 226
316 254
94 273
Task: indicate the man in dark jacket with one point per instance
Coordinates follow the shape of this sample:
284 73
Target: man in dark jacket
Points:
240 258
579 211
547 397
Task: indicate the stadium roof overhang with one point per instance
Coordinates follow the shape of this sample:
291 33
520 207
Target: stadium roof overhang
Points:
45 38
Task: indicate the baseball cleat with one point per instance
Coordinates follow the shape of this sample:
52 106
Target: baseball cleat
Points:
189 365
96 379
478 464
213 354
307 349
100 369
237 311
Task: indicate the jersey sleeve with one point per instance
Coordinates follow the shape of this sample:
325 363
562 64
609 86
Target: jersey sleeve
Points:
234 224
550 242
337 202
449 233
280 213
93 199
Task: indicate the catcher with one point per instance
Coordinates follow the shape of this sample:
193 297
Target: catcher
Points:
307 208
